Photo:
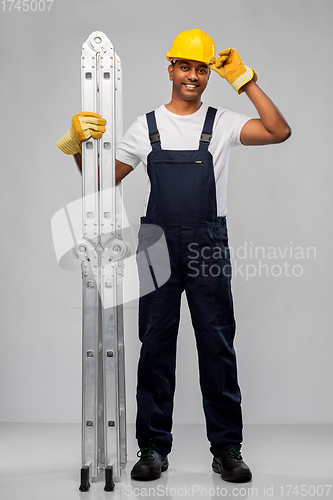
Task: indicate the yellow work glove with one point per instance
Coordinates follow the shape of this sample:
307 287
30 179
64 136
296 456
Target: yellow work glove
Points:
83 126
230 66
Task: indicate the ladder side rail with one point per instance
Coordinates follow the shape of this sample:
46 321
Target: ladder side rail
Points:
90 306
111 397
90 292
109 275
120 295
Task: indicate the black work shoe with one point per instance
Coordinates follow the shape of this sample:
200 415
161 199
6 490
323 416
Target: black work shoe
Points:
231 466
150 465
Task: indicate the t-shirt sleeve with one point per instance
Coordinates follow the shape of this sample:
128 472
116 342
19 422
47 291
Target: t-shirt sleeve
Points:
238 120
127 149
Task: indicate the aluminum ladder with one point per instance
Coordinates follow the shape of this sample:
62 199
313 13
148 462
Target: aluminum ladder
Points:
101 251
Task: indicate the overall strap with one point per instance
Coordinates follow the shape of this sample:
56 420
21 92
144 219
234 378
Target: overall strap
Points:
154 136
207 128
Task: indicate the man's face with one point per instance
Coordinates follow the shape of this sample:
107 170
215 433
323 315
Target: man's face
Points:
189 78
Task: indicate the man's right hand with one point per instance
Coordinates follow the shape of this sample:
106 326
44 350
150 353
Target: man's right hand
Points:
83 126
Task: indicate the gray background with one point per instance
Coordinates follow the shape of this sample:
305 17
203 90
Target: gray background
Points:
278 196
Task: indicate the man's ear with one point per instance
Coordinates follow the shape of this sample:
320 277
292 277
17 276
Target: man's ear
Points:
170 71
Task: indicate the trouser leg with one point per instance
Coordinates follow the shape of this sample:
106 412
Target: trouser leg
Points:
211 306
159 313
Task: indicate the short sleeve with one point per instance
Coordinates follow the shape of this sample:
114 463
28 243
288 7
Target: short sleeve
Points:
239 121
127 149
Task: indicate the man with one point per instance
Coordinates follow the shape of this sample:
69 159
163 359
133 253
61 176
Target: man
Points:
185 146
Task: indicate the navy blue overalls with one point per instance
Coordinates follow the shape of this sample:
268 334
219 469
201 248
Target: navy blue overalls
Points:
183 203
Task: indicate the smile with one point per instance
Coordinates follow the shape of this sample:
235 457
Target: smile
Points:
190 86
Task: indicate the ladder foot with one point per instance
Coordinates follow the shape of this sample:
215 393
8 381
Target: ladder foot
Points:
85 485
109 484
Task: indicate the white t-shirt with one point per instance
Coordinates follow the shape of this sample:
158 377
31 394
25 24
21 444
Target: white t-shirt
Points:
183 132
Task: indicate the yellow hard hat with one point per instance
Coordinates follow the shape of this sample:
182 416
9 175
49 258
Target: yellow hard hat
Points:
192 44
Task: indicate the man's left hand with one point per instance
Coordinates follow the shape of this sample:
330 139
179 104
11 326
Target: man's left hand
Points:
230 66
